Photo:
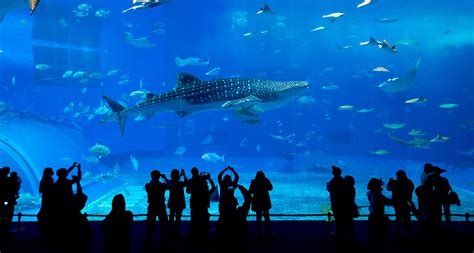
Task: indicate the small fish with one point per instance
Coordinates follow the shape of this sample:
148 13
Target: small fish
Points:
343 47
63 23
91 159
244 142
330 87
102 13
42 67
124 82
448 106
139 93
99 150
213 157
279 137
440 138
380 69
79 74
180 150
247 34
365 3
365 110
117 169
13 80
333 16
415 132
306 101
259 148
386 20
84 90
417 100
96 75
134 162
84 7
67 74
346 107
113 72
319 28
213 72
225 118
394 125
380 152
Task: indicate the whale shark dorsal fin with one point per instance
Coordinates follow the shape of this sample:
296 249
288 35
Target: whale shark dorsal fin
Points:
185 79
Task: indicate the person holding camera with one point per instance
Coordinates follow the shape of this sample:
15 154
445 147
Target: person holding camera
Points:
176 201
156 205
227 201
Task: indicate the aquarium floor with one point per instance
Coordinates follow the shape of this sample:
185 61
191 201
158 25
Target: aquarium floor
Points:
289 236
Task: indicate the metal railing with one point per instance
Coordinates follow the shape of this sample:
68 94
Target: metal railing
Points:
329 216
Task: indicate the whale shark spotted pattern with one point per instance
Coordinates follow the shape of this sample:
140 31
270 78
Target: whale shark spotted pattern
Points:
193 95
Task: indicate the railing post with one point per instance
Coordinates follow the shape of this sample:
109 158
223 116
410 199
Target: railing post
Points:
468 228
329 222
18 224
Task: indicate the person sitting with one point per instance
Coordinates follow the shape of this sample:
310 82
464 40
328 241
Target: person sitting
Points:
116 226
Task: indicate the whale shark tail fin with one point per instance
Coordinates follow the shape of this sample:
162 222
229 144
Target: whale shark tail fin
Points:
116 113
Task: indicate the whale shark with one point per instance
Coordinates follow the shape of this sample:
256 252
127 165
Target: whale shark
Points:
14 5
399 84
192 95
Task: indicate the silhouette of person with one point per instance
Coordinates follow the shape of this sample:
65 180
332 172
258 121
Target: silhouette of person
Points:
378 222
402 193
227 201
79 200
176 201
156 205
3 201
260 188
335 187
117 225
349 209
46 212
199 202
441 188
12 188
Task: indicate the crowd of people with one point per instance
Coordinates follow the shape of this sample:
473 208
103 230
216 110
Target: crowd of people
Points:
60 218
434 194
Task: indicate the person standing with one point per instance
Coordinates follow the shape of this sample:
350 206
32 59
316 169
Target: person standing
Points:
156 206
260 188
402 193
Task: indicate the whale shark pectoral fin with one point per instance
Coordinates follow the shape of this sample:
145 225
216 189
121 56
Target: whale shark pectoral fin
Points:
240 101
182 114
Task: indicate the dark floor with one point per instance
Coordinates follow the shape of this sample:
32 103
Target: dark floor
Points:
289 236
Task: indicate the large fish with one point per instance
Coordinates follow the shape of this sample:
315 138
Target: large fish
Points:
399 84
14 5
193 95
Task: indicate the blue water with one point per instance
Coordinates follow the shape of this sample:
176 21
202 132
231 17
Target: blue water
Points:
288 50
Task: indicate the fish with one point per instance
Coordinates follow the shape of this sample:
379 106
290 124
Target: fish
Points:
400 84
244 142
330 87
319 28
306 101
99 150
13 81
124 82
117 169
102 13
365 3
193 61
380 152
247 34
265 10
343 47
68 73
134 162
84 7
259 148
102 109
145 4
415 143
371 42
192 95
440 138
364 110
333 16
415 132
394 126
380 69
279 137
407 42
213 157
417 100
346 107
113 72
63 22
91 159
180 150
139 93
143 42
208 140
79 74
96 75
84 90
387 46
42 67
386 20
213 72
448 106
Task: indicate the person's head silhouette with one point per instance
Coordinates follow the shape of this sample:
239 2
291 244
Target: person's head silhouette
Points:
401 175
118 203
155 175
336 171
61 173
260 176
174 175
48 172
195 172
